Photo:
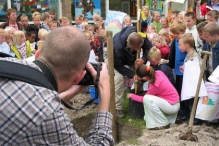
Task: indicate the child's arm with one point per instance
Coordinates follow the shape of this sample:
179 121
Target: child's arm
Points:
135 97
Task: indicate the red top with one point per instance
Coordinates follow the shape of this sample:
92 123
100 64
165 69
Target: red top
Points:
165 50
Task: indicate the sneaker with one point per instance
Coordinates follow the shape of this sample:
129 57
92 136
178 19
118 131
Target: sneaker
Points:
120 114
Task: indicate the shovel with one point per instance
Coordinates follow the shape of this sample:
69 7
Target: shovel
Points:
189 136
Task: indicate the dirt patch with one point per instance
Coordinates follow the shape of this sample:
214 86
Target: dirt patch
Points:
126 132
170 137
83 119
83 125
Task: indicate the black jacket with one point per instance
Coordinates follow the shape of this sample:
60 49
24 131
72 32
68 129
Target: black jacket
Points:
123 55
166 70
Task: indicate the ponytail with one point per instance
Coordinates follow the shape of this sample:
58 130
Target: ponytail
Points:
145 70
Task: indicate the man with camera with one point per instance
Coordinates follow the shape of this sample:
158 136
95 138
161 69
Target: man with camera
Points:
33 115
126 43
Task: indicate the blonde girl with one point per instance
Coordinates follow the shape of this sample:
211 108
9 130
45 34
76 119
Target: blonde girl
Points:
20 46
10 32
146 14
151 32
161 44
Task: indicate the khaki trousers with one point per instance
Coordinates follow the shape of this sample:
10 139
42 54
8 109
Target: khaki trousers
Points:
119 89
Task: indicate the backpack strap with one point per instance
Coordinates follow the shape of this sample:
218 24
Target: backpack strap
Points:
20 72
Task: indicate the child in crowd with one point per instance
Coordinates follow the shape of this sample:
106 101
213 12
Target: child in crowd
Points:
186 44
127 21
4 47
164 22
10 32
146 15
31 34
52 25
95 17
151 32
99 20
156 21
36 18
85 19
93 48
83 25
161 102
190 20
103 38
46 18
42 36
211 36
176 59
64 21
165 35
181 15
160 43
199 29
97 29
21 47
154 56
212 16
90 28
173 16
78 21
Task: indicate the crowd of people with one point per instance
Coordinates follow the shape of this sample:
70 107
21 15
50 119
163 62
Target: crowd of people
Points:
33 114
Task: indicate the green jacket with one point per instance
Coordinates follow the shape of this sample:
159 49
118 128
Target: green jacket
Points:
158 26
29 50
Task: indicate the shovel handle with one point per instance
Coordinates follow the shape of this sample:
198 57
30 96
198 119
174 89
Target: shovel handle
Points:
192 116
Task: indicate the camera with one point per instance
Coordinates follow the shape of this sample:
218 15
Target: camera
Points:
88 79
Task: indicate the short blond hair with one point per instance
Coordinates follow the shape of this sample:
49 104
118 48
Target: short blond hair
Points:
35 15
103 34
212 28
42 33
88 34
214 14
63 19
187 39
154 54
9 28
160 40
52 22
16 37
178 26
45 15
164 32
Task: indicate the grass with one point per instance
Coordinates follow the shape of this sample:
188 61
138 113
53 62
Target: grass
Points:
136 123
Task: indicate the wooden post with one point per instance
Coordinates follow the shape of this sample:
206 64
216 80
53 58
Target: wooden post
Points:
112 85
138 30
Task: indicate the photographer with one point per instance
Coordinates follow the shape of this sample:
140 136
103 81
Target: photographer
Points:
33 115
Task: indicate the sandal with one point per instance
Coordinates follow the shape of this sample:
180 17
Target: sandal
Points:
161 128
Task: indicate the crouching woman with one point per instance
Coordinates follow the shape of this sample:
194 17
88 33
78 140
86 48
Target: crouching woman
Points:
161 102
